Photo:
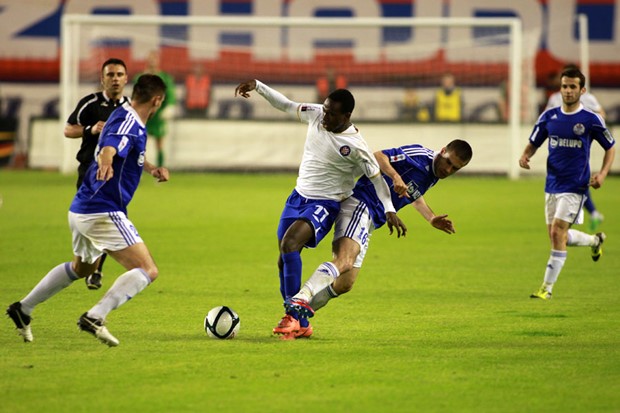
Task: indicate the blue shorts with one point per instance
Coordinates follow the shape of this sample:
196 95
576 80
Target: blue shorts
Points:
320 213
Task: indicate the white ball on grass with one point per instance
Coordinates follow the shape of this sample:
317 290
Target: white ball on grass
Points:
222 322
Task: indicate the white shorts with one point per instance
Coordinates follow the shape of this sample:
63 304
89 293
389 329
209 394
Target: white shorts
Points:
94 234
354 222
565 206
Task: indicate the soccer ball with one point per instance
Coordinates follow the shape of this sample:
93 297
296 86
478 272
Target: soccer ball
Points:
222 322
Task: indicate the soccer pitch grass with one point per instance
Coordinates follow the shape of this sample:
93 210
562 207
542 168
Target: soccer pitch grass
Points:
435 323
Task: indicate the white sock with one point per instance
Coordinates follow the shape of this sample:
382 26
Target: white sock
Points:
581 239
124 289
324 275
320 299
59 278
554 266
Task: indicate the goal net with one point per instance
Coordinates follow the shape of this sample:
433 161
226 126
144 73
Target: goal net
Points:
393 66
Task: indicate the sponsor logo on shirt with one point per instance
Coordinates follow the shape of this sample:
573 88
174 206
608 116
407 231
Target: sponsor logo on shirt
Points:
555 142
413 191
579 129
345 150
123 143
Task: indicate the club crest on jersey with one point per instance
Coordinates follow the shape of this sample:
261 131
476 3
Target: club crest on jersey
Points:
579 129
345 150
553 141
141 158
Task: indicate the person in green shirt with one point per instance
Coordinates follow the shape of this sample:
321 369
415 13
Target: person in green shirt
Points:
157 126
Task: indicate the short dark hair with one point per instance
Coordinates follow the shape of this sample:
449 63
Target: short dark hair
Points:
345 98
570 66
573 72
146 87
113 61
461 149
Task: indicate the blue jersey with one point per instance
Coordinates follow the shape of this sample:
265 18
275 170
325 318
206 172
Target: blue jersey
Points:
570 139
414 163
124 131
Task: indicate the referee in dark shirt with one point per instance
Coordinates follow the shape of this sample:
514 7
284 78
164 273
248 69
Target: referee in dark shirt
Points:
87 121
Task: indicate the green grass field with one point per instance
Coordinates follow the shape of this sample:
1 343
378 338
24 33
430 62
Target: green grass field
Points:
435 323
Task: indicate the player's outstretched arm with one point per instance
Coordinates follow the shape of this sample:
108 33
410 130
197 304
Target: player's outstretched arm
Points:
441 222
245 88
160 173
275 98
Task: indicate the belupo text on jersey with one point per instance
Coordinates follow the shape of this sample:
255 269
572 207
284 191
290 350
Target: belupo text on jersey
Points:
555 142
570 138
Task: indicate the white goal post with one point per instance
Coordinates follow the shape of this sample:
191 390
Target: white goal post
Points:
72 29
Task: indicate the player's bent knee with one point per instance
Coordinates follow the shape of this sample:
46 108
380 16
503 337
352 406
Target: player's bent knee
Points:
344 264
83 269
290 245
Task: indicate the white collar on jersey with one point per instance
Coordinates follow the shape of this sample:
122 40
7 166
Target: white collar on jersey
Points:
580 107
130 108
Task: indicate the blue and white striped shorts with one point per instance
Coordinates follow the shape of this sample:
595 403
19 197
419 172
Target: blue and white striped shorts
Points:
94 234
354 222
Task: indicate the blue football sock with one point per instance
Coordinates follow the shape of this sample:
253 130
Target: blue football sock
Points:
292 273
281 274
589 205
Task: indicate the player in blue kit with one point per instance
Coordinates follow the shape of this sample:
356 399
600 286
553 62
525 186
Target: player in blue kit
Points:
570 129
335 155
589 102
410 171
98 217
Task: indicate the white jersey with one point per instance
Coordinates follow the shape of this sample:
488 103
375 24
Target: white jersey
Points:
331 162
587 100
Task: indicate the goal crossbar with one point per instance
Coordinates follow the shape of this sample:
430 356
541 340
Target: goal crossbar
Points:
70 34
